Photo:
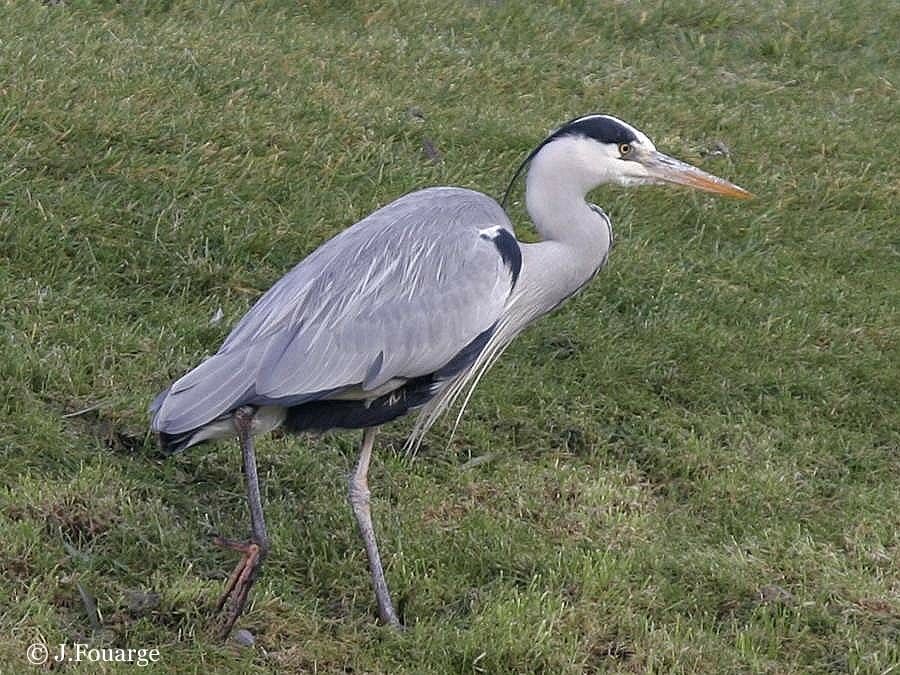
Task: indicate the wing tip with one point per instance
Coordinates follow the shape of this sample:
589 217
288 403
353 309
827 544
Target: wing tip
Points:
172 444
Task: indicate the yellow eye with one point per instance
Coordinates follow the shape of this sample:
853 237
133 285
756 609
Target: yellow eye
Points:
624 148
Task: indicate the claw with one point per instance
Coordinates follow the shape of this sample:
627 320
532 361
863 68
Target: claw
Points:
241 580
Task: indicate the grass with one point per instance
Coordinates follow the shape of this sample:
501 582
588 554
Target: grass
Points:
692 467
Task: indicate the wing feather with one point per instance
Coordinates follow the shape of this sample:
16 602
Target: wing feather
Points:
395 296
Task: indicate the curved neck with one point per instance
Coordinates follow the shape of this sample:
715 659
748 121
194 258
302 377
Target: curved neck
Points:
576 238
555 191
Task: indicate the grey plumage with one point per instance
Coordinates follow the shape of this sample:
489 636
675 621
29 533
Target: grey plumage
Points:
392 298
406 311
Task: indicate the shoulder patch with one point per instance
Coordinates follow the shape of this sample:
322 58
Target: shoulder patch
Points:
507 247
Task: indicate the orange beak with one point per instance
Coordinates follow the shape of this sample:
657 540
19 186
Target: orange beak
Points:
665 169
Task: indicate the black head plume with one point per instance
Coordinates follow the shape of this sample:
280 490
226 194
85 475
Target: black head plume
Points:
602 128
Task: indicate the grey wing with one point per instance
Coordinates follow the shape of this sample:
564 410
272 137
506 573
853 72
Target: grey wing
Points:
395 296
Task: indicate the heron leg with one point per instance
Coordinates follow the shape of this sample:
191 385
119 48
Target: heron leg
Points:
359 501
253 552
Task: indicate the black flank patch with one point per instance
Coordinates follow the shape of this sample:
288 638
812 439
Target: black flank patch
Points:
323 415
465 357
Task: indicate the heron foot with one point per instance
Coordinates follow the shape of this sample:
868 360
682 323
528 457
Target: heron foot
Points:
237 588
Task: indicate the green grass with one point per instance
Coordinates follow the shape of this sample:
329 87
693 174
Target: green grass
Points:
693 466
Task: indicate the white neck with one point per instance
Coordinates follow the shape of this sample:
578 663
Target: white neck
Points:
576 239
555 191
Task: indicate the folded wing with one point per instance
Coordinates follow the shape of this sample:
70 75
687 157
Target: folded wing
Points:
396 296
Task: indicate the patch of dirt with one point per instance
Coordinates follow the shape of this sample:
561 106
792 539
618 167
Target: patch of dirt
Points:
73 516
771 594
602 652
16 568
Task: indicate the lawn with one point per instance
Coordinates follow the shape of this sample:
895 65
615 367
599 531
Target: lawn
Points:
691 467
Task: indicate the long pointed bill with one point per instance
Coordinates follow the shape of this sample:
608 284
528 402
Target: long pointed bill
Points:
670 170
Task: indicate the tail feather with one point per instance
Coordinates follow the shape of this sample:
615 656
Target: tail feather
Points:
170 444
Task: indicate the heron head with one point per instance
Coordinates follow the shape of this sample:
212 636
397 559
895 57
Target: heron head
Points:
598 149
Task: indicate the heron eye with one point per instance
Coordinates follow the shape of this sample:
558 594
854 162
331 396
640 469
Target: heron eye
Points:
624 149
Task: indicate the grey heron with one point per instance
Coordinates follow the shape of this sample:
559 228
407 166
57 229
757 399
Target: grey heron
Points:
404 312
